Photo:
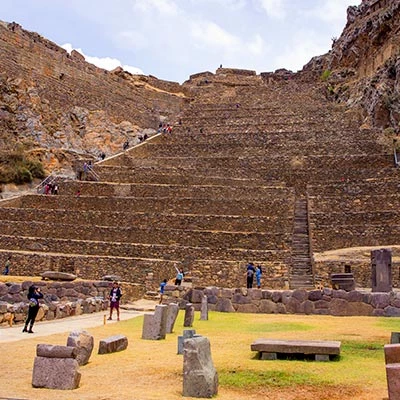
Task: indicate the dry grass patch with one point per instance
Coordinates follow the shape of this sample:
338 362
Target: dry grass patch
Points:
151 369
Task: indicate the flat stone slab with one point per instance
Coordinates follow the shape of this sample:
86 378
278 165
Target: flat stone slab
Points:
58 276
306 347
113 344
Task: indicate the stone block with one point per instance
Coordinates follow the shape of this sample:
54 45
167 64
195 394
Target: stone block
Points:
172 314
381 265
189 315
113 344
266 294
56 373
226 293
58 276
187 334
3 289
392 353
224 305
155 325
355 295
268 356
380 300
247 308
393 380
14 288
395 338
293 306
54 351
276 297
200 379
308 307
267 307
391 311
83 342
238 298
204 309
339 294
300 295
315 295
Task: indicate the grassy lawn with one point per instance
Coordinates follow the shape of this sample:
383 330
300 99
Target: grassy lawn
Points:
152 370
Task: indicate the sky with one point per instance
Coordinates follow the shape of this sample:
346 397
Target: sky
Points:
172 39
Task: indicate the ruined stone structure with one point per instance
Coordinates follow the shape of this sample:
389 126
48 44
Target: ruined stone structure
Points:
264 168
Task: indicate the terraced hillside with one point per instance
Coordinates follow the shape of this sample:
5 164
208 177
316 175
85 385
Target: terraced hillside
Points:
250 164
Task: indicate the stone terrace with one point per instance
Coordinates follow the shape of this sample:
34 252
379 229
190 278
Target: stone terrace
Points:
218 192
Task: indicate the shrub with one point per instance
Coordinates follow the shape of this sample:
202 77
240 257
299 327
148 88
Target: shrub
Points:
326 74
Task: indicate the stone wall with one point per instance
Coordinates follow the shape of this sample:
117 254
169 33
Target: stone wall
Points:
60 299
318 302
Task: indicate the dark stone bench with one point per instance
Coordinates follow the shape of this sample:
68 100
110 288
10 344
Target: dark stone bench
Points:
343 281
269 349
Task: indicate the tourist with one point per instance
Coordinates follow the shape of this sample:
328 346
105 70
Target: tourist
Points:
179 277
126 145
7 266
250 275
114 296
162 289
34 294
258 276
55 189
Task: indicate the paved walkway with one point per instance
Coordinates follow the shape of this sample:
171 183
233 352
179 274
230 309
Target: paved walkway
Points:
46 328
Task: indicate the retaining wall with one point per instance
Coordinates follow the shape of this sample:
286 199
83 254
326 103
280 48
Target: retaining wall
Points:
60 299
318 302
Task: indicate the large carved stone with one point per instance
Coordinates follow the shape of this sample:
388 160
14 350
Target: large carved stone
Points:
56 373
84 343
113 344
200 379
172 313
189 315
58 276
155 325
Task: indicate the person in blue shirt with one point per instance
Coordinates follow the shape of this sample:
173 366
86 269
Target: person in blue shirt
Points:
162 289
258 276
179 277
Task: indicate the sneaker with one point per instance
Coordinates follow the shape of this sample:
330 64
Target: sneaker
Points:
109 319
25 329
118 319
30 331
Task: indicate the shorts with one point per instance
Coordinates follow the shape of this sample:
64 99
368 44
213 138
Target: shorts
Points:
114 304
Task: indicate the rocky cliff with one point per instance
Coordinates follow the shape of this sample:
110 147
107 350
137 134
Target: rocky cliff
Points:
55 107
363 67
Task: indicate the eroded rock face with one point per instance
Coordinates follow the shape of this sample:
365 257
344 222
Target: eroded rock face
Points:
364 63
72 106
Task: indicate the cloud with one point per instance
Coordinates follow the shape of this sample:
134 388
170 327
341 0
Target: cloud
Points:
164 7
107 63
274 8
331 12
212 35
300 51
257 45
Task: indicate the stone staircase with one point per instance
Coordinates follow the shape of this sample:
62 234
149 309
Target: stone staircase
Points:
301 274
212 201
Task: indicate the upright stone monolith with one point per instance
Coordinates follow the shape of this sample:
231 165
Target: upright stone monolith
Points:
381 264
189 315
155 325
204 309
172 313
200 379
